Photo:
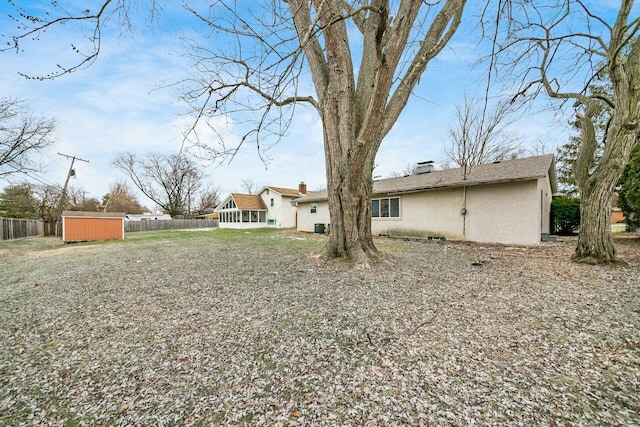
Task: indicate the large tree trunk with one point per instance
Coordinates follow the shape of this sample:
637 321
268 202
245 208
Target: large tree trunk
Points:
356 117
595 241
349 192
349 167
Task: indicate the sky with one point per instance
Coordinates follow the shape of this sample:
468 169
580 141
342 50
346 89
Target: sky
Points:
126 101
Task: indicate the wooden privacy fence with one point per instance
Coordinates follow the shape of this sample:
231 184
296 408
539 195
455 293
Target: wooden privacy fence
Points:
15 228
172 224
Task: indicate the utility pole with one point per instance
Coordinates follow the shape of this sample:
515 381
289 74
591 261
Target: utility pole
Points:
63 195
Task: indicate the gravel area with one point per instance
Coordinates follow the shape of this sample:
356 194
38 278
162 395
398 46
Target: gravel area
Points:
250 328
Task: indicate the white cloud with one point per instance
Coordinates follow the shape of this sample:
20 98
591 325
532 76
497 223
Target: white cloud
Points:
113 106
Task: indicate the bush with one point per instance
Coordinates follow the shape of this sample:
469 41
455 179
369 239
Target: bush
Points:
565 215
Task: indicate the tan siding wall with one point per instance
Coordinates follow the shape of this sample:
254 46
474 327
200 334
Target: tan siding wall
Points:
504 213
510 213
82 229
434 213
544 191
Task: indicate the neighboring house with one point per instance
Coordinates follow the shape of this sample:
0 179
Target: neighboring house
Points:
617 216
271 207
618 221
282 213
503 202
242 211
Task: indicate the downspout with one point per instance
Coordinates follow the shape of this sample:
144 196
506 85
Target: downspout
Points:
463 211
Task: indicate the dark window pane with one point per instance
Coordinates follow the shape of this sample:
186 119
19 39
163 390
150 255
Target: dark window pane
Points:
395 207
384 208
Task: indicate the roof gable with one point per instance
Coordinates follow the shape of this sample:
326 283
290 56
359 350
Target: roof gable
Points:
292 192
248 201
283 191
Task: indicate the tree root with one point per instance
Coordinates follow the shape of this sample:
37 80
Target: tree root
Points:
595 260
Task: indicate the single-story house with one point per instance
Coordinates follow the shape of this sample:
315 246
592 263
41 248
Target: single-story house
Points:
502 202
271 207
80 226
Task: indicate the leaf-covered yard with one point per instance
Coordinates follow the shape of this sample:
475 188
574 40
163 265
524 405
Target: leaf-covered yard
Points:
249 328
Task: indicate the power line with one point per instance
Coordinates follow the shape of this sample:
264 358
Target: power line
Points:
30 174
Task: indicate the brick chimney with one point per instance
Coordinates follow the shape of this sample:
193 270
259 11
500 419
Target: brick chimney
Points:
302 188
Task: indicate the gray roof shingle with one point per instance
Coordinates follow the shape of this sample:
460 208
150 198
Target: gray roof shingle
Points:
490 173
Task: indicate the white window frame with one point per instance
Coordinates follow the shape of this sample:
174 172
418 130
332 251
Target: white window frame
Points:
388 209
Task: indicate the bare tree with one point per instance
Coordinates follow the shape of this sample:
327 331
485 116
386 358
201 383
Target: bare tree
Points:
48 197
249 186
22 136
395 43
168 180
360 82
410 169
541 147
480 134
121 198
206 201
77 200
32 21
562 51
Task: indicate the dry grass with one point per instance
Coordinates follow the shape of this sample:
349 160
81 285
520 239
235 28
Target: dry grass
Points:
202 328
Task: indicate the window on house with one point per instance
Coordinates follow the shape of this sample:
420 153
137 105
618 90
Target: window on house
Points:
263 216
271 222
272 202
314 207
385 208
394 207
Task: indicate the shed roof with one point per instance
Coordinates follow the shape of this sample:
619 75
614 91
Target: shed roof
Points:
490 173
248 201
86 214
